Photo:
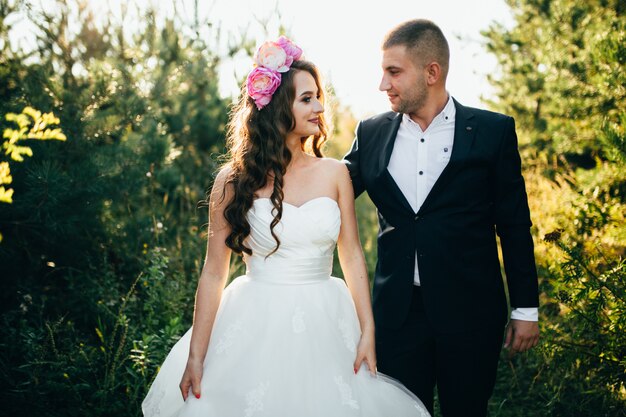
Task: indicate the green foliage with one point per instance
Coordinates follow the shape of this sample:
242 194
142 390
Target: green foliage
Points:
562 80
103 241
31 125
39 130
561 72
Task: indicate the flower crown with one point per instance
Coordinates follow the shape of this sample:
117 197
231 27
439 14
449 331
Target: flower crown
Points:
270 61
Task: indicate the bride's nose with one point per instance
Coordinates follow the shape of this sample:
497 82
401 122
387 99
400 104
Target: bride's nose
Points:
319 107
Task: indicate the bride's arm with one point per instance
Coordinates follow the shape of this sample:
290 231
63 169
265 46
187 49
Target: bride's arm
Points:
210 285
355 271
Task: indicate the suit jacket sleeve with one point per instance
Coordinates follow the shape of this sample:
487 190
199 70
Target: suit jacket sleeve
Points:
353 162
512 218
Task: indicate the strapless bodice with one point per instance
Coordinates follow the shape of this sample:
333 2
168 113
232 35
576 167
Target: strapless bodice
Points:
308 235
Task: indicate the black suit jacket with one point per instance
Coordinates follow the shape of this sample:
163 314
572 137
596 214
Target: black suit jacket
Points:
480 193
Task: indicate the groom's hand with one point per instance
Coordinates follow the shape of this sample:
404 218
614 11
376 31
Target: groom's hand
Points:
521 335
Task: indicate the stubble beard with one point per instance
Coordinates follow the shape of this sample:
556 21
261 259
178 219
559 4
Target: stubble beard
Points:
412 104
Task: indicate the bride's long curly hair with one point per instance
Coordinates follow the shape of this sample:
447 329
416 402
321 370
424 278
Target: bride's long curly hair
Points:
258 154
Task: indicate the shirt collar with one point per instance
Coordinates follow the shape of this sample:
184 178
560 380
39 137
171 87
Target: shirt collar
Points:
445 116
448 112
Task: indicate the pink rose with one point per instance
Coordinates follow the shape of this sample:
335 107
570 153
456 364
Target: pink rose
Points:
261 84
290 48
270 59
273 56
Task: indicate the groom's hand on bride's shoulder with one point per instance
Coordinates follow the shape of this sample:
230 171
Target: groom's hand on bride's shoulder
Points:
521 335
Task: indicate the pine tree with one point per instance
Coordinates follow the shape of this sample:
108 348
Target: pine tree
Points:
562 78
103 241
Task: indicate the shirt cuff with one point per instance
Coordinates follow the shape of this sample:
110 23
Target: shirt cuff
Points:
525 314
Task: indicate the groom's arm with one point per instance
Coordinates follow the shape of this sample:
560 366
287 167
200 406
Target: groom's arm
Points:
513 226
512 218
353 162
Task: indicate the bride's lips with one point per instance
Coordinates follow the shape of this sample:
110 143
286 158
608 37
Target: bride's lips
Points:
316 120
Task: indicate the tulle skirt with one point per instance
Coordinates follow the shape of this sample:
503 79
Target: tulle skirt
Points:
281 350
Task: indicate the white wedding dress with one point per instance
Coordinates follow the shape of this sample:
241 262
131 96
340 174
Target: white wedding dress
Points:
285 336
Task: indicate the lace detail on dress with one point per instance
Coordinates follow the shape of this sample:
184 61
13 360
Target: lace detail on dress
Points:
344 328
153 401
297 321
254 399
422 411
227 340
346 393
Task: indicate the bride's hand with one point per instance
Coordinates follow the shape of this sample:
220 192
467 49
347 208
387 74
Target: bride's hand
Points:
366 352
191 378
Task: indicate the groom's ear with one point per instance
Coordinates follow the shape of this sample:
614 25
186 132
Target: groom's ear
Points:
433 73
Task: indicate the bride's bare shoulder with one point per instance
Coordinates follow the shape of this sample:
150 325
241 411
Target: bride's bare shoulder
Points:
222 188
333 165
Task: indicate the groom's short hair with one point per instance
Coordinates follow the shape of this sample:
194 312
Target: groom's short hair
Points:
424 40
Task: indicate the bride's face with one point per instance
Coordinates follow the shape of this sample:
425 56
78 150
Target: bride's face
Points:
306 106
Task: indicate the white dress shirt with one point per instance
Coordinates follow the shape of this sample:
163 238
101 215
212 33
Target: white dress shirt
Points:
418 159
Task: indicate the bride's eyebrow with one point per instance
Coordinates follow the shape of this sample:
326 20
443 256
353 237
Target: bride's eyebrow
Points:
307 93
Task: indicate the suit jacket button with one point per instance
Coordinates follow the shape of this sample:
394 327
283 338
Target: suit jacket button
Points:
417 217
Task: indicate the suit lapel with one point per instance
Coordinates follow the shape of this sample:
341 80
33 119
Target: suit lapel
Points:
382 174
388 141
464 133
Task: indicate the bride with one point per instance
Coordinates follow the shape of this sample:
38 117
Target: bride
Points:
285 339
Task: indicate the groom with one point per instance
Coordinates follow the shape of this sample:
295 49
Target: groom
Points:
445 179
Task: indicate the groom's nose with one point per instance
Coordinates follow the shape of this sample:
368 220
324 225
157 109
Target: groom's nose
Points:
384 83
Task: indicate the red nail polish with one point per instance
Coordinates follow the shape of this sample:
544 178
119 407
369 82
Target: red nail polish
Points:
198 396
355 371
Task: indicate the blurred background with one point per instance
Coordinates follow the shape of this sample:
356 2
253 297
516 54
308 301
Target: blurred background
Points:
113 118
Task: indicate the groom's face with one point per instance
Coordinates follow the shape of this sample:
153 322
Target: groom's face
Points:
403 80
